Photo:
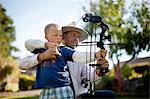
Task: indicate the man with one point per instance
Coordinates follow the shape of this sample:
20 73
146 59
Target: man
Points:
71 37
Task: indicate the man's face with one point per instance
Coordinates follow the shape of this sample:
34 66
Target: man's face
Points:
54 35
71 39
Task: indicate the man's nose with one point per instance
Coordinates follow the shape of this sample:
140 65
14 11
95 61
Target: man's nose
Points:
76 39
59 36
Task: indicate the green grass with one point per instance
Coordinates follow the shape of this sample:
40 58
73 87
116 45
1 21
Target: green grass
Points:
21 97
119 96
133 96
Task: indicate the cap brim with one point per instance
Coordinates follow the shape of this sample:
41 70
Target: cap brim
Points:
83 33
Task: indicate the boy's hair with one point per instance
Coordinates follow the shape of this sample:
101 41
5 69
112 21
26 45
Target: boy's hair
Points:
50 26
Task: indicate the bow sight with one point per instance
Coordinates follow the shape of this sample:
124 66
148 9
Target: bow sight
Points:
89 17
97 19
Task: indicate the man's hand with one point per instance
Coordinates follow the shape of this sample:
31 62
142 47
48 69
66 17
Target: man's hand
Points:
101 54
101 61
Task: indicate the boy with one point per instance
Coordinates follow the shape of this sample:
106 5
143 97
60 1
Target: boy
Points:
52 76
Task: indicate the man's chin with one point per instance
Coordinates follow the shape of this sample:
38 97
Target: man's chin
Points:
72 46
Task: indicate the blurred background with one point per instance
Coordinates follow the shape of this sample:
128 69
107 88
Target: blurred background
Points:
129 49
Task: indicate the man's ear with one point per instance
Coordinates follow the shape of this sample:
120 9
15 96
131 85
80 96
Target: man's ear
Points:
63 36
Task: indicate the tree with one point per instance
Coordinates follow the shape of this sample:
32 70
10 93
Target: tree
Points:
139 28
130 27
8 65
7 33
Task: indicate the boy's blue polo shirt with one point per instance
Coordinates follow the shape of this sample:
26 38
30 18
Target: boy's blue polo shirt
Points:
52 75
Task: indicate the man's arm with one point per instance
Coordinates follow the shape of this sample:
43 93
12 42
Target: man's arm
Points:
86 57
28 62
83 57
86 70
31 61
100 57
33 44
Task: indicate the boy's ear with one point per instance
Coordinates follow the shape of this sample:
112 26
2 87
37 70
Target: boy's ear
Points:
45 37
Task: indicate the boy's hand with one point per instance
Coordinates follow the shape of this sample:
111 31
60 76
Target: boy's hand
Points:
50 45
53 47
55 54
48 54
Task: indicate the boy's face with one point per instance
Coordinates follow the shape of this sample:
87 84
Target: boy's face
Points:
54 35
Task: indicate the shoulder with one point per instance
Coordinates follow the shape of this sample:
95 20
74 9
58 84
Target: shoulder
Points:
67 52
66 49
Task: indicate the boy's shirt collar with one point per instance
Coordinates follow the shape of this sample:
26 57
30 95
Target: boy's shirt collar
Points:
62 45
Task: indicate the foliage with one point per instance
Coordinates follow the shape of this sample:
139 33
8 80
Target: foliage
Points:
138 26
7 70
105 82
138 86
142 69
8 66
26 81
7 33
126 71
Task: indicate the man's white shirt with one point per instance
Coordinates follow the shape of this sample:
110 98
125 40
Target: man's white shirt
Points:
76 69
